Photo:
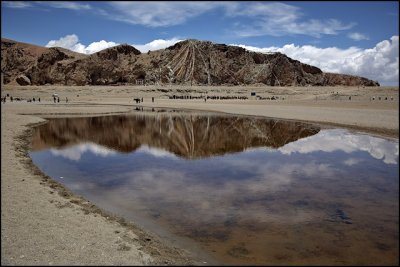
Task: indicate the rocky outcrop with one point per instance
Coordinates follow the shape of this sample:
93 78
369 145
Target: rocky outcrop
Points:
17 58
186 135
23 80
189 62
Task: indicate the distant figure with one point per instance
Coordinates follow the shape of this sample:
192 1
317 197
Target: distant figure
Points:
11 99
58 100
205 99
379 98
142 99
39 99
66 100
54 98
34 100
8 95
373 98
349 97
385 98
152 99
391 98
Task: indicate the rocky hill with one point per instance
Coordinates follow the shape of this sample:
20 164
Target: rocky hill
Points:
190 62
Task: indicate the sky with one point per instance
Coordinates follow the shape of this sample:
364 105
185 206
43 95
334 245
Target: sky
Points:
358 38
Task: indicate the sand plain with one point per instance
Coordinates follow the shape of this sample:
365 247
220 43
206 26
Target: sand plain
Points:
43 223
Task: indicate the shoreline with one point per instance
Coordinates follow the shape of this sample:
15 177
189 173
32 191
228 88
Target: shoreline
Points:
44 223
131 243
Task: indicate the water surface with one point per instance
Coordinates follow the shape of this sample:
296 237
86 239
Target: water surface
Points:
248 190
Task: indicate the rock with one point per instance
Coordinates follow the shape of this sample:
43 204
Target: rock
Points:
23 80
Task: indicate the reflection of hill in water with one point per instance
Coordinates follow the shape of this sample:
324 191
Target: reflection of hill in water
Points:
189 135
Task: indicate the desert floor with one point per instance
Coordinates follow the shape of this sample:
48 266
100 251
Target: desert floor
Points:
43 223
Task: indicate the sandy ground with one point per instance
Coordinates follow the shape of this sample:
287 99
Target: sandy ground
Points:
42 223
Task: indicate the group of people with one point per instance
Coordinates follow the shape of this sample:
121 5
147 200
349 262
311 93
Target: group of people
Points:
138 100
380 98
12 99
57 99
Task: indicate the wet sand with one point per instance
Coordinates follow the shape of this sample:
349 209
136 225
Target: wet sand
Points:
44 224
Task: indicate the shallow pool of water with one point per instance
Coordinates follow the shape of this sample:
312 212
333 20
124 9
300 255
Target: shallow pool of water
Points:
247 190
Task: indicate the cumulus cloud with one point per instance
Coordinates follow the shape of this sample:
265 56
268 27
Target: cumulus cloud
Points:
356 36
156 44
71 42
379 63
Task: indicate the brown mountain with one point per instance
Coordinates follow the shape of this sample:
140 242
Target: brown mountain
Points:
187 62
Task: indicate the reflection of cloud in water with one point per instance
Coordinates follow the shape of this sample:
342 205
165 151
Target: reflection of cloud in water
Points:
352 161
75 152
156 152
331 140
207 201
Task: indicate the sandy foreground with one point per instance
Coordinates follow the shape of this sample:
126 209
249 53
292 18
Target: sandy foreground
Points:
43 223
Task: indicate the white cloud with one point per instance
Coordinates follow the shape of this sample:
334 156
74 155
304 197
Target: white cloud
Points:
275 19
156 44
54 4
356 36
98 46
65 5
379 63
16 4
158 14
71 42
279 19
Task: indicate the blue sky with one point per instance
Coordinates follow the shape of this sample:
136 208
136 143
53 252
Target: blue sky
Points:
343 32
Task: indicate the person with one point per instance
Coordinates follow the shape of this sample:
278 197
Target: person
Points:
205 99
58 99
66 100
152 99
39 99
142 99
11 98
33 99
54 98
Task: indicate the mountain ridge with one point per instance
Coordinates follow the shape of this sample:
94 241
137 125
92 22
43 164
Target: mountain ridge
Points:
189 62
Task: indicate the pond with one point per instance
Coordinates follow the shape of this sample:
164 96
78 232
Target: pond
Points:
246 190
